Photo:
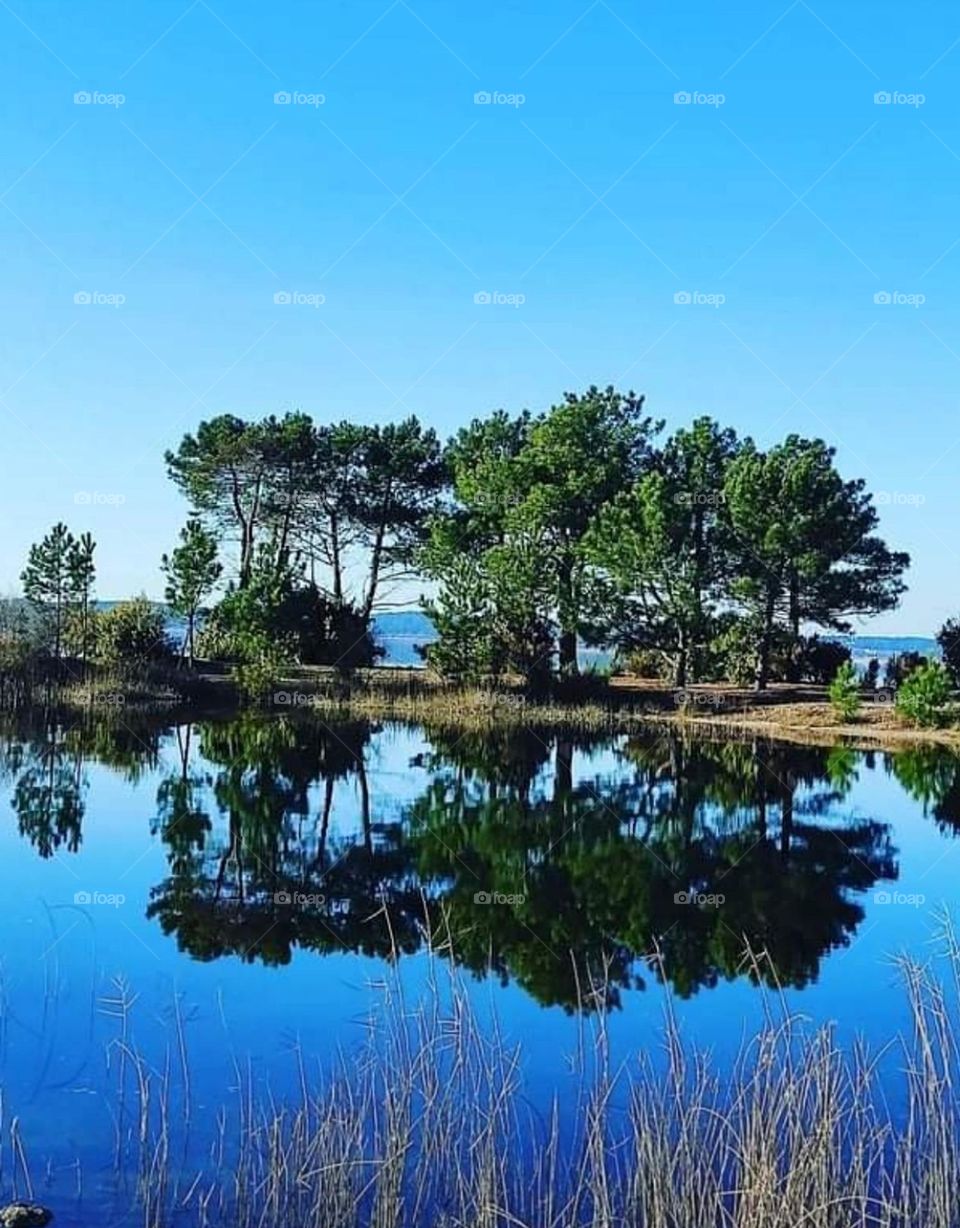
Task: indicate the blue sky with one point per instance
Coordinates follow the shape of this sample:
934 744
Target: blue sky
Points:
583 199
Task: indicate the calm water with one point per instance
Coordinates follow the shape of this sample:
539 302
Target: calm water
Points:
253 879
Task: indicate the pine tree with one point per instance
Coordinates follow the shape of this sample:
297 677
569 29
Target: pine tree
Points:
47 581
192 570
81 574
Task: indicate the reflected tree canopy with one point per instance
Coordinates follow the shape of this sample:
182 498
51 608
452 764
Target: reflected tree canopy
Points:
559 862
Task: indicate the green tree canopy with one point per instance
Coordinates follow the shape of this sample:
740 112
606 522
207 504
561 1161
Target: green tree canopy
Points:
191 572
804 543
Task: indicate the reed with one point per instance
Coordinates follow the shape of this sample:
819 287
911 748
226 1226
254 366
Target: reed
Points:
429 1124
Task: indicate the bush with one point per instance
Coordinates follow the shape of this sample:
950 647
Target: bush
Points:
818 661
133 633
948 637
900 665
924 696
297 621
735 647
844 692
260 673
645 663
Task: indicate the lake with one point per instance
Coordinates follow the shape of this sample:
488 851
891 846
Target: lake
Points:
242 890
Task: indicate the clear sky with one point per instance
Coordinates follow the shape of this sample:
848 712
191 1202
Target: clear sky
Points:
582 198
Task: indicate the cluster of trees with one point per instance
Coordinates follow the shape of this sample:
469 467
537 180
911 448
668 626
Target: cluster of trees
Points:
317 523
704 549
698 555
60 618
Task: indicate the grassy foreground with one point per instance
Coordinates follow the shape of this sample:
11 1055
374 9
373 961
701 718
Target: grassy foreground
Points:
429 1124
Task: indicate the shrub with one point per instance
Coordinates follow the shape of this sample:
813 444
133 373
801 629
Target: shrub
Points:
132 633
900 665
817 660
735 647
924 695
844 692
948 637
261 672
645 663
297 620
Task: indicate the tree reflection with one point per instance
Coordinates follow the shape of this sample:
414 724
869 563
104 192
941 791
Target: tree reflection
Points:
931 774
556 861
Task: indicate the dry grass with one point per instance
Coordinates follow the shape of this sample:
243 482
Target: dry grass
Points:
813 723
788 712
429 1124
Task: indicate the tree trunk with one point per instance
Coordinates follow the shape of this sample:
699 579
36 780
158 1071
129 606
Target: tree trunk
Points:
376 558
680 671
335 564
567 644
365 806
762 676
563 779
786 818
567 655
793 668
